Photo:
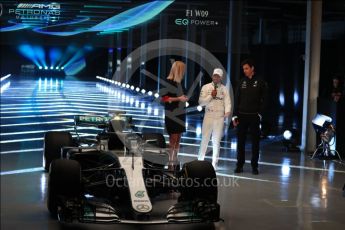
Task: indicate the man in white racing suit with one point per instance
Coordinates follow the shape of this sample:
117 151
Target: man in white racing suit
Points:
216 99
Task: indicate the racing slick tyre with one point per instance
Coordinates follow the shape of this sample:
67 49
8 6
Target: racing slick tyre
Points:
199 182
64 181
53 141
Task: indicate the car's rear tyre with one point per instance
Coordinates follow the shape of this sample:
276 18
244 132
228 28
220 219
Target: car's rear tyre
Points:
199 181
53 141
64 181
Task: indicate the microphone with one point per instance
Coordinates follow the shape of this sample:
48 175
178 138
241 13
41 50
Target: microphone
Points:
215 85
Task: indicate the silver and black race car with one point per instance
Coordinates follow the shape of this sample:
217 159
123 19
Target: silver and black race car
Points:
121 176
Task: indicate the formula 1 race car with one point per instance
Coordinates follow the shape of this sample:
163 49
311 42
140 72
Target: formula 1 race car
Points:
122 176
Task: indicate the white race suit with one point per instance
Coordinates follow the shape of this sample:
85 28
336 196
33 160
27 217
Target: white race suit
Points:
215 109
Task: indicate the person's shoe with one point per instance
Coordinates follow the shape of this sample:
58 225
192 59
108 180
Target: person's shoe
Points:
255 171
238 170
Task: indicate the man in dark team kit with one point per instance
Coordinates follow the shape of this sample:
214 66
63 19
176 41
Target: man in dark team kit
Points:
249 103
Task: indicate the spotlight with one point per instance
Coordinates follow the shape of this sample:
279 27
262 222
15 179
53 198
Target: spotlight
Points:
287 135
290 140
143 91
57 67
40 67
199 108
123 85
127 86
156 95
46 67
149 93
323 127
62 67
51 67
137 89
132 87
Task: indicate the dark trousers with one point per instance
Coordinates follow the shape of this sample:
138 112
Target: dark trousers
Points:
251 122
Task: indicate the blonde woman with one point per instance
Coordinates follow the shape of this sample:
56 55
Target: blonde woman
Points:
174 100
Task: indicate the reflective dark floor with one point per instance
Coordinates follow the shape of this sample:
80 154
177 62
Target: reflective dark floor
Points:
291 192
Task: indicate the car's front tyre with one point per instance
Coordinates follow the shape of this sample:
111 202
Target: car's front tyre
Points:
64 182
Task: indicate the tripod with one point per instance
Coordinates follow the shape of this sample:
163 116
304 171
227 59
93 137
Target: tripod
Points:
324 150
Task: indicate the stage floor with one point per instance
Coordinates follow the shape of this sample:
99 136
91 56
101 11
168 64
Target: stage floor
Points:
291 192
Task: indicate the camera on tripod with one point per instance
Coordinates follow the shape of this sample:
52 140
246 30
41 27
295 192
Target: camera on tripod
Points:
325 129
